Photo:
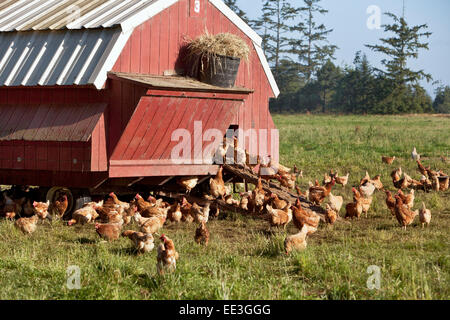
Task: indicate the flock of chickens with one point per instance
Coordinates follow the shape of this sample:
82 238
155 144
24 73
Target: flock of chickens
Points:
111 217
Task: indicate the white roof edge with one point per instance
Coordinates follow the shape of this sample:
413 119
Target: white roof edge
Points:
101 74
219 4
144 15
267 70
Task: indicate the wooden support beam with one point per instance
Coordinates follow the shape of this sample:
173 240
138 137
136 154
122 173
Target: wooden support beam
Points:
268 186
135 181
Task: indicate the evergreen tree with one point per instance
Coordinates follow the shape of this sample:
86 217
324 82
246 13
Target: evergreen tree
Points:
355 92
274 28
311 44
327 78
233 6
290 81
441 103
404 45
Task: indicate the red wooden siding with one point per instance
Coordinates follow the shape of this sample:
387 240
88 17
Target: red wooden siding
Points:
49 122
47 128
148 134
161 39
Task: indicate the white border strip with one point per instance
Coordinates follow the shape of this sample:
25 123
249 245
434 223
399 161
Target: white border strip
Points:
267 70
152 10
111 55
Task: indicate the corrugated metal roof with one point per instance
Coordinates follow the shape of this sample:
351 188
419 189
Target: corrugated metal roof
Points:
56 57
17 16
53 122
23 15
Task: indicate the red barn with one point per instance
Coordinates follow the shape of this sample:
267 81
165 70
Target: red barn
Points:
90 91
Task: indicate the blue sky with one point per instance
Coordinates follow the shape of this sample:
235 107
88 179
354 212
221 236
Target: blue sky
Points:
348 18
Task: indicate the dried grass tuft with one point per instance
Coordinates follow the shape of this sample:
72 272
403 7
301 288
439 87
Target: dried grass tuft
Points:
223 44
205 49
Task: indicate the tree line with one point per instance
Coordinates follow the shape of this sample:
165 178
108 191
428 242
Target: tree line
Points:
302 61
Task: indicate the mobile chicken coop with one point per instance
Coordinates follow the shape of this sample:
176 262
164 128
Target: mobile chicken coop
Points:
90 90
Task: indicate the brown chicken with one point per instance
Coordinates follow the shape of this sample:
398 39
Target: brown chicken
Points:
424 215
186 211
27 225
243 204
231 201
58 207
336 202
390 202
408 200
342 180
143 243
399 183
435 185
318 194
302 218
388 160
422 169
141 203
188 183
41 209
202 235
326 178
444 183
129 213
154 211
278 218
286 181
277 203
217 185
354 209
167 256
299 192
404 215
296 242
86 214
367 189
108 231
330 216
297 172
377 182
200 214
123 205
109 215
258 198
366 203
150 225
365 179
174 214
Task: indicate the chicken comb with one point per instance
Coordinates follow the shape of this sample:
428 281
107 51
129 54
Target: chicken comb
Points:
35 204
138 196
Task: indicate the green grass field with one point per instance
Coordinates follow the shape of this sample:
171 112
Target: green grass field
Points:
243 260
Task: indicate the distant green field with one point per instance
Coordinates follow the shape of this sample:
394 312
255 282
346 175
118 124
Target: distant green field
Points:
244 260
